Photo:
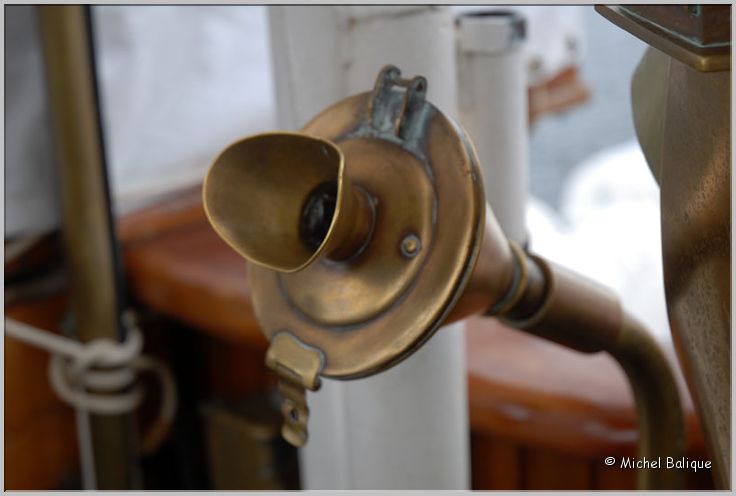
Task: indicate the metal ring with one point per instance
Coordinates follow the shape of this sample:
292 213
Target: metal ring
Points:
518 286
539 314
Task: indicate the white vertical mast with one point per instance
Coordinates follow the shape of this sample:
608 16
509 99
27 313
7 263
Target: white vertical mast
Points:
406 428
493 100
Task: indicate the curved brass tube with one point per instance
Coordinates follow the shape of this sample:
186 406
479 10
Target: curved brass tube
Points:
658 409
567 308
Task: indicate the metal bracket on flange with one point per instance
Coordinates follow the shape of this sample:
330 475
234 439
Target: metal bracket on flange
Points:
298 366
382 112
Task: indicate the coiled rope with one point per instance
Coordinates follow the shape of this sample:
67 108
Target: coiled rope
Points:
109 368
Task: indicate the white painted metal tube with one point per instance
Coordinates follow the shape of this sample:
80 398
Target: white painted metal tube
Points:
406 428
492 82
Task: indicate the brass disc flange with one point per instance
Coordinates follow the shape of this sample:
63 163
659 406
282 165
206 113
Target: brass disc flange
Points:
420 173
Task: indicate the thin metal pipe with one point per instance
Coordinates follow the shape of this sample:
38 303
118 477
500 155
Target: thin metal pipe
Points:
87 225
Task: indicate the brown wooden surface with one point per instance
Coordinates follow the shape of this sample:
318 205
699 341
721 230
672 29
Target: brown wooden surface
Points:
553 415
176 264
545 395
40 433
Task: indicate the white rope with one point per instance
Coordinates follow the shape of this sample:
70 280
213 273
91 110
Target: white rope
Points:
107 367
86 450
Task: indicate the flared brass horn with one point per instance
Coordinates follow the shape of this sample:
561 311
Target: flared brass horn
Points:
346 292
282 199
363 229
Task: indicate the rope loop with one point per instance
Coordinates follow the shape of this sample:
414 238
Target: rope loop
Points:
100 376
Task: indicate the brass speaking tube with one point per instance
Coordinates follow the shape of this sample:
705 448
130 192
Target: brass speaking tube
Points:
369 230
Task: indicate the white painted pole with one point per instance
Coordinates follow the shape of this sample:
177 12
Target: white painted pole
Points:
406 428
492 81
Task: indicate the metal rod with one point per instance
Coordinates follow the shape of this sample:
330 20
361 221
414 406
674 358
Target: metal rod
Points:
87 225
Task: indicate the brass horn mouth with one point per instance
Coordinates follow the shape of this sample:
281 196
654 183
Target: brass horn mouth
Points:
363 230
282 199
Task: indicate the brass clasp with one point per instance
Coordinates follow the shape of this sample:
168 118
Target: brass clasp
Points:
298 366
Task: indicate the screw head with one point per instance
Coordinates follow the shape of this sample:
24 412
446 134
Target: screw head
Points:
410 245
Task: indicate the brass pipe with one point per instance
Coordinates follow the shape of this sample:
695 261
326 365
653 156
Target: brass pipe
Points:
569 309
90 249
564 307
493 275
658 409
351 231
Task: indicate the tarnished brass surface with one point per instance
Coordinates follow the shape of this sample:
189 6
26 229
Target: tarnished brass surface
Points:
399 186
374 309
493 276
530 292
576 312
262 223
431 256
686 137
364 288
697 35
569 309
86 224
298 366
295 412
659 414
295 361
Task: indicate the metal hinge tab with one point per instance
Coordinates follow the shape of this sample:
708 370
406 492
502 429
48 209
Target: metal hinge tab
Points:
298 366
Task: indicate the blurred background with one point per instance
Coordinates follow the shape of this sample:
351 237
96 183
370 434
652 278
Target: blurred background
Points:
156 127
177 84
608 57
